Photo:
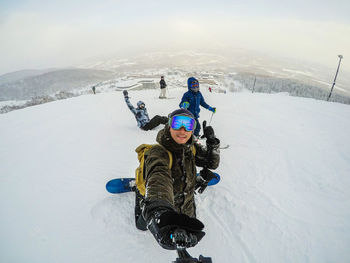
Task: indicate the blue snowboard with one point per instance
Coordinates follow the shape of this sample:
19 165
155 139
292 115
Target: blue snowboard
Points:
125 185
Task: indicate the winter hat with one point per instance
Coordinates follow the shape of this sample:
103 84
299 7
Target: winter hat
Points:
181 112
140 102
190 81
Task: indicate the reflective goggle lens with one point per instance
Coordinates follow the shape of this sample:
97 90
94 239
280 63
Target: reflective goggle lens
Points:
177 122
194 84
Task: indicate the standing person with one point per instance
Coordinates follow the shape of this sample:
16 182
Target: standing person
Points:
169 205
162 88
94 89
141 115
192 99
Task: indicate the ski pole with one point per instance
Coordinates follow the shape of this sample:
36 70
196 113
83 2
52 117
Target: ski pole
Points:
211 118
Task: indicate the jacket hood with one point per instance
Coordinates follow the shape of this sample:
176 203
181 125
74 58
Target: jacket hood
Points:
140 102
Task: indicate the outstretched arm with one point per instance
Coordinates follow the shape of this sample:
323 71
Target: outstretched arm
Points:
159 183
128 103
162 219
205 105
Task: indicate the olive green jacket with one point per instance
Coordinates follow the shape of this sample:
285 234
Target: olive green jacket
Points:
174 189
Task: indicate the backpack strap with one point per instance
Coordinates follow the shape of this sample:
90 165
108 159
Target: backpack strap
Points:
170 156
193 149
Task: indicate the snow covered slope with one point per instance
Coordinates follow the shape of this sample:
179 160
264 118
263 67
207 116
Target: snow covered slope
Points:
284 194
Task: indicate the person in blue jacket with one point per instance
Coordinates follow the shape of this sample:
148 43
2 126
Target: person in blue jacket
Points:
141 115
191 101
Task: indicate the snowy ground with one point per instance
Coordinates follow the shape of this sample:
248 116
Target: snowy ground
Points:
284 194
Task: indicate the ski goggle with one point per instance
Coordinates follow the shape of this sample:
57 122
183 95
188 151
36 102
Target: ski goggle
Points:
178 121
142 106
194 84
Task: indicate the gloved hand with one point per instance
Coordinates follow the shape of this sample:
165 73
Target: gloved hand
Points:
172 229
183 239
213 109
185 105
125 92
208 132
205 175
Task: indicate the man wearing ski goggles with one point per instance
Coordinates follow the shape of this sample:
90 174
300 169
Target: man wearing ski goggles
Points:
181 128
171 181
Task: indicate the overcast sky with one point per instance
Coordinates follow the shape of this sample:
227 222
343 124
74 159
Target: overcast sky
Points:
58 33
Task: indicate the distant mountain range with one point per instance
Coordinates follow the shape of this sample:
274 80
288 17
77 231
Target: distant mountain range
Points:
237 60
25 84
22 85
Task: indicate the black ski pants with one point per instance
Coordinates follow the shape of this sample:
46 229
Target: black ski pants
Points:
154 122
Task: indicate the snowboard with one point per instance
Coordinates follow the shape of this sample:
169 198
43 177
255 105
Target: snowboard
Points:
125 185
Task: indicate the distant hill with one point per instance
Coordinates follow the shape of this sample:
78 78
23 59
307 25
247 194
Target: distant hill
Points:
21 74
26 84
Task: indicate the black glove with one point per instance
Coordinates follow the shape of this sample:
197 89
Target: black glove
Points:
205 175
172 230
208 132
125 92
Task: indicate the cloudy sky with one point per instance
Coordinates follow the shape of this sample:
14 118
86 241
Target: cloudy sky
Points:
58 33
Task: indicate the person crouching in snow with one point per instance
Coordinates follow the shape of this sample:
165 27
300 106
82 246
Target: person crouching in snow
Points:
141 115
192 99
169 203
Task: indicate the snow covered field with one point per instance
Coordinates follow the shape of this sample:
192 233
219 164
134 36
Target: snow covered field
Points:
284 194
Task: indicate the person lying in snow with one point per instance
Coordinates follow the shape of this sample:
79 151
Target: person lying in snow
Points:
169 204
141 115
